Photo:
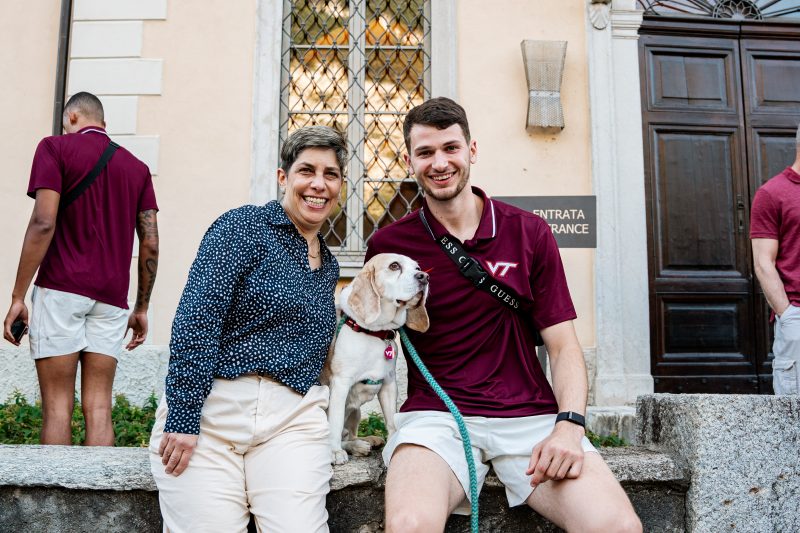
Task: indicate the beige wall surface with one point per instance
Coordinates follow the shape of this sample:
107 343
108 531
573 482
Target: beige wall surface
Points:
28 52
493 90
204 119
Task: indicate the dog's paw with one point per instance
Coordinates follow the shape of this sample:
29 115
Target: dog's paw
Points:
338 457
374 441
358 447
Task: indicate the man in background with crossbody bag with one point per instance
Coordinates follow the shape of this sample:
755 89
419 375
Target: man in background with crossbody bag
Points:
496 278
90 195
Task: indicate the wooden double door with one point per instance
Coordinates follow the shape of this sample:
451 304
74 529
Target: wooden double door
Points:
721 106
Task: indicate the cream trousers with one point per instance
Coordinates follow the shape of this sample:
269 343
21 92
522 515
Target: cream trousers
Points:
263 449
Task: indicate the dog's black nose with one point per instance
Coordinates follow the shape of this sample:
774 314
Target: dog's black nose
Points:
422 277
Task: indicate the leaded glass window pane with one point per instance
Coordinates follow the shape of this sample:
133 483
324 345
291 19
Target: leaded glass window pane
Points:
358 66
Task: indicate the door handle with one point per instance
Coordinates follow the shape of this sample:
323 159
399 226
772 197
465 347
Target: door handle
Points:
740 212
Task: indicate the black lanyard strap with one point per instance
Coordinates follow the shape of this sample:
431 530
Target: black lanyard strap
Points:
473 271
73 195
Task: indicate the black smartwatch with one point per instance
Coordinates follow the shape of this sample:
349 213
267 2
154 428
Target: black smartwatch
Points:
571 416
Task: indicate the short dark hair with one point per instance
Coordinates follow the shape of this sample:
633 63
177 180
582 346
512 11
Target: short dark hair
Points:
86 104
313 137
441 113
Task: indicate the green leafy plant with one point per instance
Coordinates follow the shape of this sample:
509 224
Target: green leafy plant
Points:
372 425
612 440
21 421
132 424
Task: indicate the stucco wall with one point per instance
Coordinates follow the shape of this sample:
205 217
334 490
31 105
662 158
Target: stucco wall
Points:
493 90
28 52
204 119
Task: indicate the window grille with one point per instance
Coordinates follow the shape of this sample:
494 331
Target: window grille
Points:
726 9
358 66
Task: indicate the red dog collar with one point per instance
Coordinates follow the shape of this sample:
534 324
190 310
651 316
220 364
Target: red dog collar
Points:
384 334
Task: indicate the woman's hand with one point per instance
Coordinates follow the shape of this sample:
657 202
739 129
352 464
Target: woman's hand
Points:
175 450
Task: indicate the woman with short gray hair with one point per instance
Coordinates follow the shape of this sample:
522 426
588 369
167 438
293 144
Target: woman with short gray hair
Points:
242 428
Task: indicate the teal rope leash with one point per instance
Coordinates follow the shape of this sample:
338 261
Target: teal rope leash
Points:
462 428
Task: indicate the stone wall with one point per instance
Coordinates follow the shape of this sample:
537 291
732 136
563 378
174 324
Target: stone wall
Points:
742 453
706 463
64 489
140 373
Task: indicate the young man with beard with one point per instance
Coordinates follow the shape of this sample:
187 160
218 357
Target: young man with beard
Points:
483 354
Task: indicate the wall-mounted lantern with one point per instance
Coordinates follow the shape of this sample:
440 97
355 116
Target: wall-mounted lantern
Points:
544 66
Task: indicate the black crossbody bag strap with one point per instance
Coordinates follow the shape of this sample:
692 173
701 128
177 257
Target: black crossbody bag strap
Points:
73 195
473 271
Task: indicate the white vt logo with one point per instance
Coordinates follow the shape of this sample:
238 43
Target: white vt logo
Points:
501 266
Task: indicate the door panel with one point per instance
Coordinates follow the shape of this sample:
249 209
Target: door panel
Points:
773 151
695 328
695 182
688 79
772 72
705 344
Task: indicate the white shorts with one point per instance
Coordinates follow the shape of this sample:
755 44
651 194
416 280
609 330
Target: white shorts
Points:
506 443
63 323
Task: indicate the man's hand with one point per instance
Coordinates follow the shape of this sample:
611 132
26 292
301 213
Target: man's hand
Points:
175 450
137 321
18 310
559 456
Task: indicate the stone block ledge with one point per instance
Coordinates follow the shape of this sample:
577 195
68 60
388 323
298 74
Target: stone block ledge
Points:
121 469
66 489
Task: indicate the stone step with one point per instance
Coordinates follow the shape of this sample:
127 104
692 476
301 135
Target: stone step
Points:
73 489
619 420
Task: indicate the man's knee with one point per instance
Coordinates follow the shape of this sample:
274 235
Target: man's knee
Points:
632 524
411 521
622 521
58 407
97 410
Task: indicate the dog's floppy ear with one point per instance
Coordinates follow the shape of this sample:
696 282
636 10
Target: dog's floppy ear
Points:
417 316
364 299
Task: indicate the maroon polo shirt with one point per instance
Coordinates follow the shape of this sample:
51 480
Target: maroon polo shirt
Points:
480 351
776 215
91 250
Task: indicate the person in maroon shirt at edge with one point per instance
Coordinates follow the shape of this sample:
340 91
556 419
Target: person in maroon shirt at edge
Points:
83 254
483 354
775 236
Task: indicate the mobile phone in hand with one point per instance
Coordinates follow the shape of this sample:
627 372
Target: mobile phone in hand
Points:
18 330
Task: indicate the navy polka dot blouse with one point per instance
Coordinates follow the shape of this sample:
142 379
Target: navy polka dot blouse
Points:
251 303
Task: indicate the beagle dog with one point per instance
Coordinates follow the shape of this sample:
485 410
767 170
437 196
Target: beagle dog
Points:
388 292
